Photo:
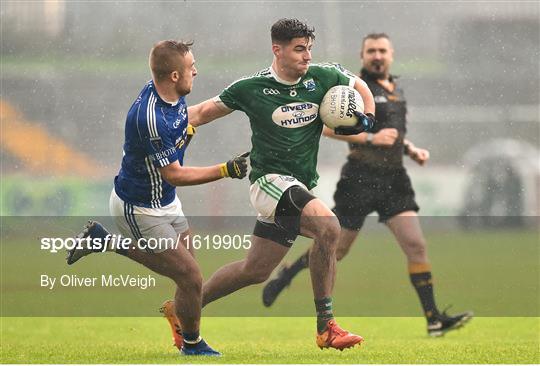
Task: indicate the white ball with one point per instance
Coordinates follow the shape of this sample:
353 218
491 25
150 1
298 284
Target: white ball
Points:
338 105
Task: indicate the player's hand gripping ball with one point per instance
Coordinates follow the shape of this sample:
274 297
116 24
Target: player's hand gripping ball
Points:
342 110
338 106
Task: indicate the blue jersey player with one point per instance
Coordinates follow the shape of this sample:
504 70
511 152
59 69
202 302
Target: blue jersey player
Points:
143 202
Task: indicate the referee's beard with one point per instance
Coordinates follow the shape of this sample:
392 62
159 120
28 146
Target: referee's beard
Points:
378 69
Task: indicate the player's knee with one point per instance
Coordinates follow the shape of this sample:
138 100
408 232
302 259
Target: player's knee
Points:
188 276
416 248
329 231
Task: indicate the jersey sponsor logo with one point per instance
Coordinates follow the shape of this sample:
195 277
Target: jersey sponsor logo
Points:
270 91
380 99
294 115
164 154
309 84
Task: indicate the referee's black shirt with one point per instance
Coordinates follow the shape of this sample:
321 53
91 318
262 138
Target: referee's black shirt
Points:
390 112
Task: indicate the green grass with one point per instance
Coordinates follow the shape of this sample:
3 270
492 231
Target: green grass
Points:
266 340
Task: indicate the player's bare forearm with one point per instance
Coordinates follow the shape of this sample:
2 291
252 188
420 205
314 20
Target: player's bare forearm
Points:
367 96
206 111
385 137
357 139
178 175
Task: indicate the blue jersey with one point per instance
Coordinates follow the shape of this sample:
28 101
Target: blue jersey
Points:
155 136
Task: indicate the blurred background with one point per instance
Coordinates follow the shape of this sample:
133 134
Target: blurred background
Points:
70 71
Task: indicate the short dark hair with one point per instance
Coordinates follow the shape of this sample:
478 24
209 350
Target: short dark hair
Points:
164 57
284 30
374 36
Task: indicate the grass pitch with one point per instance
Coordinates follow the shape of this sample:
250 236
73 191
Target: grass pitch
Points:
267 340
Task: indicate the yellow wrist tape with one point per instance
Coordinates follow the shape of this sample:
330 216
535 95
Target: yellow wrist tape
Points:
223 170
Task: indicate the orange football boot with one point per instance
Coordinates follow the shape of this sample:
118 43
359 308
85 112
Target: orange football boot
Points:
335 337
168 311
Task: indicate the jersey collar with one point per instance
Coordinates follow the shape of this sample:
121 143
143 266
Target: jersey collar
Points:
280 80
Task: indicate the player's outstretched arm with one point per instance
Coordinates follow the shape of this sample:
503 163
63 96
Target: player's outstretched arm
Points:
207 111
178 175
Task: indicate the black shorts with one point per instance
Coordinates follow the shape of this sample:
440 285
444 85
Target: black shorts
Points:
286 226
363 189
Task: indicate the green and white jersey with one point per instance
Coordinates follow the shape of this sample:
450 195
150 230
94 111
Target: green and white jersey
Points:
284 118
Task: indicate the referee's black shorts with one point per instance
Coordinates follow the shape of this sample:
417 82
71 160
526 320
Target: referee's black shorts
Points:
363 189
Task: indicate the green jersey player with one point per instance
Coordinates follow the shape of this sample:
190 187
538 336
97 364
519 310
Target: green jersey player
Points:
282 104
284 120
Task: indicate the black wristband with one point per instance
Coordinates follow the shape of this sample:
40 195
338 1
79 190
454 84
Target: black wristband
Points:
406 149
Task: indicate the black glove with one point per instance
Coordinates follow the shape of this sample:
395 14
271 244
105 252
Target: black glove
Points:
236 167
366 122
